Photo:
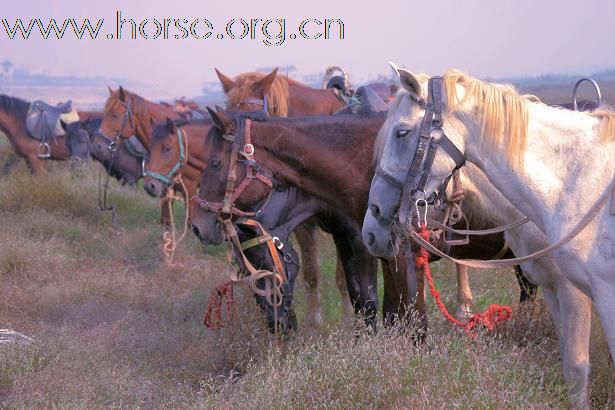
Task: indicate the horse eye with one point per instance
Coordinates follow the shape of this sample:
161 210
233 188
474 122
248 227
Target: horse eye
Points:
402 133
215 163
166 149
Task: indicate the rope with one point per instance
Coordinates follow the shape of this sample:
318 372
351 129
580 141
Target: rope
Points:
488 318
169 241
220 295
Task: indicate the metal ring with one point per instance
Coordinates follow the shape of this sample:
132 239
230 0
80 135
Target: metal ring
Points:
248 149
287 258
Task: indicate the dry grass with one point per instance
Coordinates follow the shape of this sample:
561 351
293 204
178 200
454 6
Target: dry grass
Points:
114 327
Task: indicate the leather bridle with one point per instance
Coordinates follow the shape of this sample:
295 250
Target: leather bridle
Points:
430 138
226 209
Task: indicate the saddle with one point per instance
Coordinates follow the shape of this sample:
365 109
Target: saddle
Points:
43 120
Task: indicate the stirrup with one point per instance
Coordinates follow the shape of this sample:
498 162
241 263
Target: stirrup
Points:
461 241
43 151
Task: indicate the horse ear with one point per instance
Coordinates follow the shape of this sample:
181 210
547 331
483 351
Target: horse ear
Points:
264 84
122 94
171 126
227 83
110 90
221 120
408 80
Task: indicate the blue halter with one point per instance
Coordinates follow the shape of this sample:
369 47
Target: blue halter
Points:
167 179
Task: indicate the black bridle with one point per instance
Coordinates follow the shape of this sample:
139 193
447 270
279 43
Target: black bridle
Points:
431 137
262 102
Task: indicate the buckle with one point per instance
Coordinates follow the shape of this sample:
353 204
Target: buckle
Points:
277 242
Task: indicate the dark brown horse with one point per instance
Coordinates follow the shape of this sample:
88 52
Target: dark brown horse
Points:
13 113
283 97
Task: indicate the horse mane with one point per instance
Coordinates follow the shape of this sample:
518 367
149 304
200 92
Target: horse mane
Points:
606 115
277 97
14 106
114 100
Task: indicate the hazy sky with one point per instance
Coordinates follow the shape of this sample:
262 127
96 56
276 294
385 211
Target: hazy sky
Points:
491 38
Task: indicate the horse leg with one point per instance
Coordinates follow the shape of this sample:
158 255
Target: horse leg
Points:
570 311
575 308
392 297
464 294
307 238
35 164
527 289
340 280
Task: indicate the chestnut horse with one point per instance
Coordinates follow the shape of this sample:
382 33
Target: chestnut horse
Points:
325 156
284 97
126 115
13 112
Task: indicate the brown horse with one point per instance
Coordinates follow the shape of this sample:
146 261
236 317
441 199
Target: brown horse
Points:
13 113
125 115
284 97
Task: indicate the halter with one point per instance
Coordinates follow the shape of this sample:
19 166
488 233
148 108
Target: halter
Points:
431 137
168 178
111 142
226 209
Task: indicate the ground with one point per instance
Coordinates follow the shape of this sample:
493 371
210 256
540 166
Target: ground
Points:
114 327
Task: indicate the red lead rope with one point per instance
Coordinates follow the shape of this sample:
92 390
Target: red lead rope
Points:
492 315
220 295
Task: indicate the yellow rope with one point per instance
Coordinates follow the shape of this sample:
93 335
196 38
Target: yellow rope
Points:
169 241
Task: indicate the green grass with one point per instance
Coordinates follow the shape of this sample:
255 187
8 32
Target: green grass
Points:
115 327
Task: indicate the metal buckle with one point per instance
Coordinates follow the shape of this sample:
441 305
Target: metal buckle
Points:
277 242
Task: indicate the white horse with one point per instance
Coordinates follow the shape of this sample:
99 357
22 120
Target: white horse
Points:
553 166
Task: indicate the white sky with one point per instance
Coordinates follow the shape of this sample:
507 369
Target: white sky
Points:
493 38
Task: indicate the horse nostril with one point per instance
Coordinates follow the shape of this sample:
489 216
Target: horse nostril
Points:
375 210
371 239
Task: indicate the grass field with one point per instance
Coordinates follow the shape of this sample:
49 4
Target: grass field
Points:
115 328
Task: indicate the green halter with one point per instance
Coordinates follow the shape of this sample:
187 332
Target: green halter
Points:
167 179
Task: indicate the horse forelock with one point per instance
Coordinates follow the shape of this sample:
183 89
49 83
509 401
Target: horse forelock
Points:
277 97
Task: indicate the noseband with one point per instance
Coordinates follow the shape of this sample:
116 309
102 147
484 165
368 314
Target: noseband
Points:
182 141
111 142
431 137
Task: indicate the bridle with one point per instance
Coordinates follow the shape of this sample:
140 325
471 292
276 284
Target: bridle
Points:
182 142
242 147
226 210
430 138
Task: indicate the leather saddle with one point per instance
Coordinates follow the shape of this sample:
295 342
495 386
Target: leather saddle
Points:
43 120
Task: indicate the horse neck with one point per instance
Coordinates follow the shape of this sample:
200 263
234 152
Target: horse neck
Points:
562 156
329 161
9 126
195 136
311 101
288 208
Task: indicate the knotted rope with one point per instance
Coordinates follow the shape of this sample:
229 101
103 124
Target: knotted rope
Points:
488 318
169 238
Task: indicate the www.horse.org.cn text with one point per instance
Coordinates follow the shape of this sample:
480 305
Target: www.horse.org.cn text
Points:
268 31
